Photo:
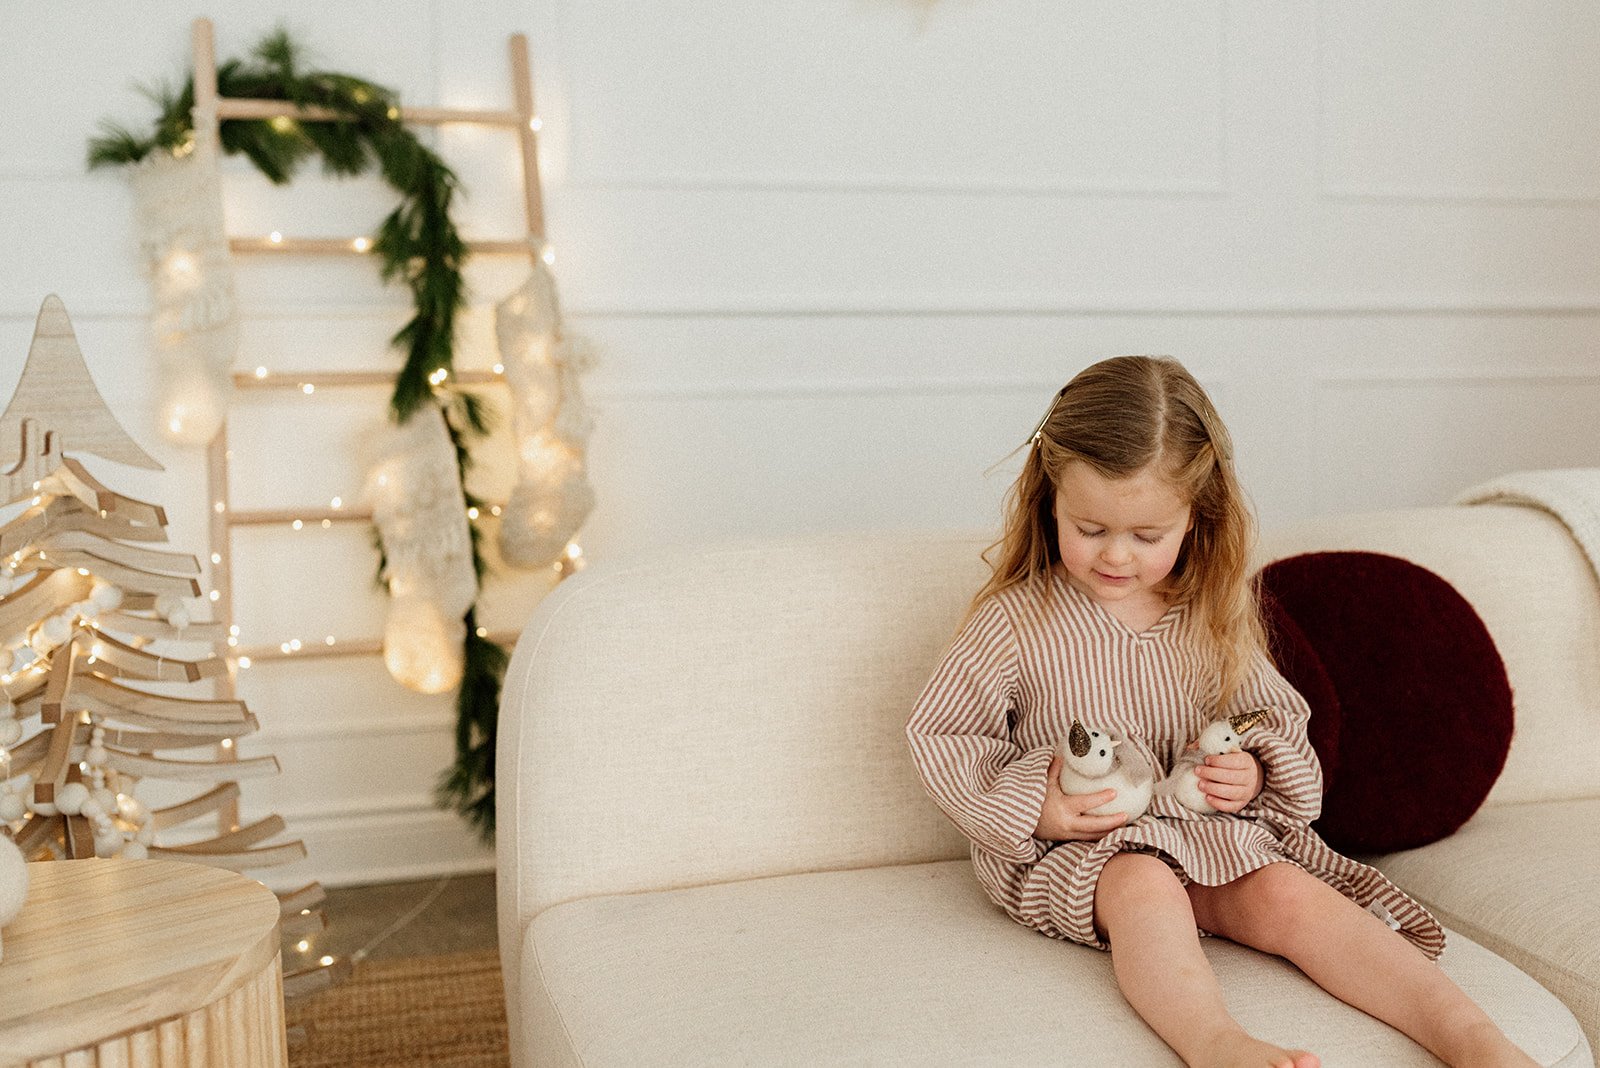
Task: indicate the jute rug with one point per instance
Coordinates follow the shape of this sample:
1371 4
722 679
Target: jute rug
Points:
446 1010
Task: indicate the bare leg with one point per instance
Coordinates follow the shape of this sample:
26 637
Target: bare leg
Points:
1350 953
1141 909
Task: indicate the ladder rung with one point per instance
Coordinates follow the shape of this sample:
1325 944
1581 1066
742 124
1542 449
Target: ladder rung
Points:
308 516
362 246
333 379
318 650
245 108
301 515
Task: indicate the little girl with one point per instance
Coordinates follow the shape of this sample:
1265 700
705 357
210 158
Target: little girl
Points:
1120 597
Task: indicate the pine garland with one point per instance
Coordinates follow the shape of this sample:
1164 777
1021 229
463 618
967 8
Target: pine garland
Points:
417 244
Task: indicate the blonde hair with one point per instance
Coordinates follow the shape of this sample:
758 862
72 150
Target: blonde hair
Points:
1121 416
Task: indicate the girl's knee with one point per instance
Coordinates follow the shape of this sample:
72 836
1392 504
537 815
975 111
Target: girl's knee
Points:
1269 905
1131 883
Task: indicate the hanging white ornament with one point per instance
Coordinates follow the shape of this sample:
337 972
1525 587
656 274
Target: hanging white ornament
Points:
105 596
175 610
12 807
414 488
70 798
13 883
550 422
178 203
108 843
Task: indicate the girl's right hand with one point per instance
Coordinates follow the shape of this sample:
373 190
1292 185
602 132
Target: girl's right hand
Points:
1063 819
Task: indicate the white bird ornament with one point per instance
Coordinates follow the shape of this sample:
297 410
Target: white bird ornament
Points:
1219 737
1091 762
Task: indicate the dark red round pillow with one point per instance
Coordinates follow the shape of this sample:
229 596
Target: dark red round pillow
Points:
1302 667
1424 707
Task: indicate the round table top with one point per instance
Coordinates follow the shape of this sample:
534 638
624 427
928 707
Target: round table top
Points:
103 947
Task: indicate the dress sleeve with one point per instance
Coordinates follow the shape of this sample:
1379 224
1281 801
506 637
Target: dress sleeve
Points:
1292 785
960 738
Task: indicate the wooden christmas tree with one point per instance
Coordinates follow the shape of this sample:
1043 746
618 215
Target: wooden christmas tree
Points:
86 634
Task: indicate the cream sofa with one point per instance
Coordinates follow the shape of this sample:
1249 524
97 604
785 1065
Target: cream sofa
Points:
713 848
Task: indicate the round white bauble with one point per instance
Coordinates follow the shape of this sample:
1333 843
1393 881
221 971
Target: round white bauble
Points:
108 843
91 809
97 755
70 798
58 628
10 732
12 807
106 596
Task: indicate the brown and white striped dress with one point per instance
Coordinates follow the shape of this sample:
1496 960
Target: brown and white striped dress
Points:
1038 654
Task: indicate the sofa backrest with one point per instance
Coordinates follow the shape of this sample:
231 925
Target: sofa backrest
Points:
1536 593
726 713
737 712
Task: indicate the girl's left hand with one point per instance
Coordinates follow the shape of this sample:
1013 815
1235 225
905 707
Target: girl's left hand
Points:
1230 781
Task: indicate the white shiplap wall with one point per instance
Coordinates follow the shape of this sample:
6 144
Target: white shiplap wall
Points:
836 256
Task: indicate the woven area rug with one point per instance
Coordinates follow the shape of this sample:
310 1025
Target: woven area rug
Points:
446 1010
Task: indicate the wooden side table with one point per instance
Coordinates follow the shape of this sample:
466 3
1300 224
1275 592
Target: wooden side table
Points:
142 962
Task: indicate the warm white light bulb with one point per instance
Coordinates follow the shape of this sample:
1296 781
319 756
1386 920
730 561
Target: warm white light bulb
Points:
276 237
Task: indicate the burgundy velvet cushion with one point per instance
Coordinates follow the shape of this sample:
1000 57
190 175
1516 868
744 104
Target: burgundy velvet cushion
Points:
1423 705
1292 652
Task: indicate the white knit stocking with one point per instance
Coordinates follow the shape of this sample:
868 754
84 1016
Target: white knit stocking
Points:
551 424
414 487
195 331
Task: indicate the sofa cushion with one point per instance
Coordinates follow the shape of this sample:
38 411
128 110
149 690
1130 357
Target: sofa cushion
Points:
1295 657
1425 714
912 965
1521 880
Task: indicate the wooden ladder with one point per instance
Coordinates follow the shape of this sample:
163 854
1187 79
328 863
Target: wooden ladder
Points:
210 110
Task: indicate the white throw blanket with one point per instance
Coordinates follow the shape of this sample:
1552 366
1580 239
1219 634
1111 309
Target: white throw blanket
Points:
1570 494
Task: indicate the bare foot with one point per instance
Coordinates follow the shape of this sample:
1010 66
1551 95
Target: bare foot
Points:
1236 1049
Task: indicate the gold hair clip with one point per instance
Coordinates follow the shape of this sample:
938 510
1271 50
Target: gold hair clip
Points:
1038 431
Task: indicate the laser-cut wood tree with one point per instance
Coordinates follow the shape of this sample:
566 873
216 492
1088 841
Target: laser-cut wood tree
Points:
85 633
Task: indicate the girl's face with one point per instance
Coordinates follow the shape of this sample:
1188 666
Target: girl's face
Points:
1119 538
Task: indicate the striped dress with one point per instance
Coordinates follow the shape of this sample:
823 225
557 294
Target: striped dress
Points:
1038 654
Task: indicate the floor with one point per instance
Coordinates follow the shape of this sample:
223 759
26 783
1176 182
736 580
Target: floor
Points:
451 914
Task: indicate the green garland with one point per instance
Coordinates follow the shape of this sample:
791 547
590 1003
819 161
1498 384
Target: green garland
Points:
418 244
